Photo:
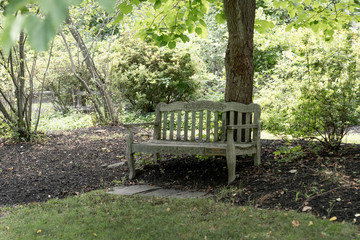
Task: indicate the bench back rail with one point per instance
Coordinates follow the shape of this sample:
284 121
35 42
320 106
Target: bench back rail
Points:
206 121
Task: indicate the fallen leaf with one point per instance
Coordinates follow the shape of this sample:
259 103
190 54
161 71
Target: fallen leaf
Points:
293 171
38 231
7 227
243 209
95 235
295 223
357 215
332 219
168 209
306 208
310 223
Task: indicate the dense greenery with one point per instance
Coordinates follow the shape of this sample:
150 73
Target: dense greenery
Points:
146 75
307 86
313 89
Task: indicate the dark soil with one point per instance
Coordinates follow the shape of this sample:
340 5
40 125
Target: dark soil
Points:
324 183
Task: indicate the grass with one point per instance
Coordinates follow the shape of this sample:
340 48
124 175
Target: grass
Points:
98 215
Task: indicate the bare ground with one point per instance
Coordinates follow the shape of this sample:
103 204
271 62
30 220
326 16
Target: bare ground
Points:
323 183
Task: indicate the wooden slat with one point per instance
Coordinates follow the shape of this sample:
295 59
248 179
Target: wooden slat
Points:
186 127
172 120
247 131
239 132
223 126
216 127
201 120
208 125
193 124
178 133
164 125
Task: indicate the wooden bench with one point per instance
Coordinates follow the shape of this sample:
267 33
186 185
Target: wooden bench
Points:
205 128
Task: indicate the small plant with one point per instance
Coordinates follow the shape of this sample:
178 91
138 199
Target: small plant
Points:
288 154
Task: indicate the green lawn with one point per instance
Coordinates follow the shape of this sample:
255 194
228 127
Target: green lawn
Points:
98 215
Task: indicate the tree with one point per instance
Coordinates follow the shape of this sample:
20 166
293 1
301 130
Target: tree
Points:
174 19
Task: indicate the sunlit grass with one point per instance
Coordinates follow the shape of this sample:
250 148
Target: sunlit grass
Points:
103 216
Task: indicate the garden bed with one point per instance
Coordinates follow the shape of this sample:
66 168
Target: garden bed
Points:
324 183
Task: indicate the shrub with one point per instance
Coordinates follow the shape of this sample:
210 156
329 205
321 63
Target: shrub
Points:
146 74
314 91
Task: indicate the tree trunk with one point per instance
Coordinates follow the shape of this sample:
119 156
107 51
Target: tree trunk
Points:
239 64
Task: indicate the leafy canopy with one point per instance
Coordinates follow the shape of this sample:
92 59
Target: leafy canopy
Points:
169 20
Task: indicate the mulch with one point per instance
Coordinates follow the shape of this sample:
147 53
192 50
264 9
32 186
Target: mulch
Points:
308 179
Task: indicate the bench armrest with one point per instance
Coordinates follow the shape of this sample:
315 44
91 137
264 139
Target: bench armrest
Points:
130 125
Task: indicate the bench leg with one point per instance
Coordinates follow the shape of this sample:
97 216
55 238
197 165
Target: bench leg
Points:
156 157
257 159
131 163
230 156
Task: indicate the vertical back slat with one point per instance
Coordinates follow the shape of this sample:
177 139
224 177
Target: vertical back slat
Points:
223 126
172 120
164 125
216 127
208 125
240 130
201 120
186 127
193 123
247 130
178 132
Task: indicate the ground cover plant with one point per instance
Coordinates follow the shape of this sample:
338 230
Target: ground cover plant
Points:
103 216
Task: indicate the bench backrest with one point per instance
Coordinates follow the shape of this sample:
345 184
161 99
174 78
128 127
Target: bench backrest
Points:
205 121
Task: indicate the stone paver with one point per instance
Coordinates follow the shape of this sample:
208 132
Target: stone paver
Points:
147 190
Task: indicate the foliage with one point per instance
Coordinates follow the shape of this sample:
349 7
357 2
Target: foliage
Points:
314 89
147 75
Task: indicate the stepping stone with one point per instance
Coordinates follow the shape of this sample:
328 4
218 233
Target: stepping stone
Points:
147 190
175 194
132 190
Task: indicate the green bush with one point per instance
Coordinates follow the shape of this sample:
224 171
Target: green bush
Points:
146 75
314 90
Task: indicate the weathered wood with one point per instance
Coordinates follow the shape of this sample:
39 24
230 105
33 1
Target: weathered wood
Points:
201 120
186 127
223 126
230 155
216 127
164 126
208 125
178 131
193 125
172 119
231 125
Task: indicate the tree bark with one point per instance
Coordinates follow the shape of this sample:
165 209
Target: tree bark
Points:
239 64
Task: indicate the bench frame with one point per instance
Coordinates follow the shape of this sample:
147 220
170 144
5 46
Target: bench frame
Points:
230 129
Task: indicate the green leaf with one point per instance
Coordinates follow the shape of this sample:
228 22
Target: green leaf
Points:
157 4
40 32
119 18
202 22
163 43
220 18
262 25
307 2
125 8
55 10
74 2
14 6
198 30
135 2
184 38
172 45
108 5
289 27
